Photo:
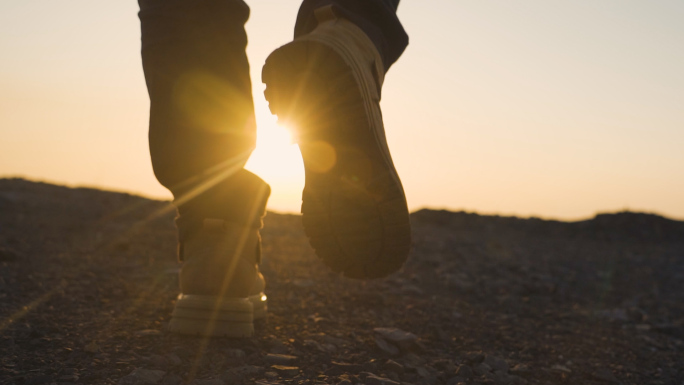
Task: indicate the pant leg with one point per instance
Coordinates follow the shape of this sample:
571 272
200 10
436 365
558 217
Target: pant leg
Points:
202 126
377 18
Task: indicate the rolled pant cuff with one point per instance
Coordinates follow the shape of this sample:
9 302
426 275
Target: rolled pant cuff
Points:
240 199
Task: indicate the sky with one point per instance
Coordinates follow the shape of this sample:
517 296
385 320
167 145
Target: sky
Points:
530 108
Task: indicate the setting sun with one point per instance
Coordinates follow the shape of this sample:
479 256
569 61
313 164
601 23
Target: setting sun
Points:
278 161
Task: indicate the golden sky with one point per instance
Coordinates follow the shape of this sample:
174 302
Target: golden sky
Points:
552 109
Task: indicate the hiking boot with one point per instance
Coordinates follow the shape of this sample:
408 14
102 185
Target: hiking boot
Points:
326 86
222 290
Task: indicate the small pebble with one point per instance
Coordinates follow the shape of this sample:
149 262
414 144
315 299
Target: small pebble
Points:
91 348
561 368
393 367
404 340
372 379
496 363
520 369
474 357
271 375
423 372
280 359
386 347
483 369
148 332
289 371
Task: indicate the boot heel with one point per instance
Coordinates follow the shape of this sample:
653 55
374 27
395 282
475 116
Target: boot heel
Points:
212 316
259 305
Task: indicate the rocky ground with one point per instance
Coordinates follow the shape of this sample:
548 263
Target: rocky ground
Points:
88 281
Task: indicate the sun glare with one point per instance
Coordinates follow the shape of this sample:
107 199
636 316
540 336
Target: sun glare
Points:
278 161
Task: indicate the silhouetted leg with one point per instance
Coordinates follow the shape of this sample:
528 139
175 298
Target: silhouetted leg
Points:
377 18
202 127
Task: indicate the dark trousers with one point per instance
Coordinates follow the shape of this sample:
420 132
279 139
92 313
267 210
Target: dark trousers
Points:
202 126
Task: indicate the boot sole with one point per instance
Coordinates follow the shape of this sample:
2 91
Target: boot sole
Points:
209 316
354 212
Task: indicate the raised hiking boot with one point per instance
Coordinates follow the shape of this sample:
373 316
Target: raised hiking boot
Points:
326 87
222 290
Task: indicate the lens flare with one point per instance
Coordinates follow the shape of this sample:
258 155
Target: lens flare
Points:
321 156
276 158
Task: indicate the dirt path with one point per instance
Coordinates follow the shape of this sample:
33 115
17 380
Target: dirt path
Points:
88 280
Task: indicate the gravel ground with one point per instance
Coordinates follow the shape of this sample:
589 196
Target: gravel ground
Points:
88 279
